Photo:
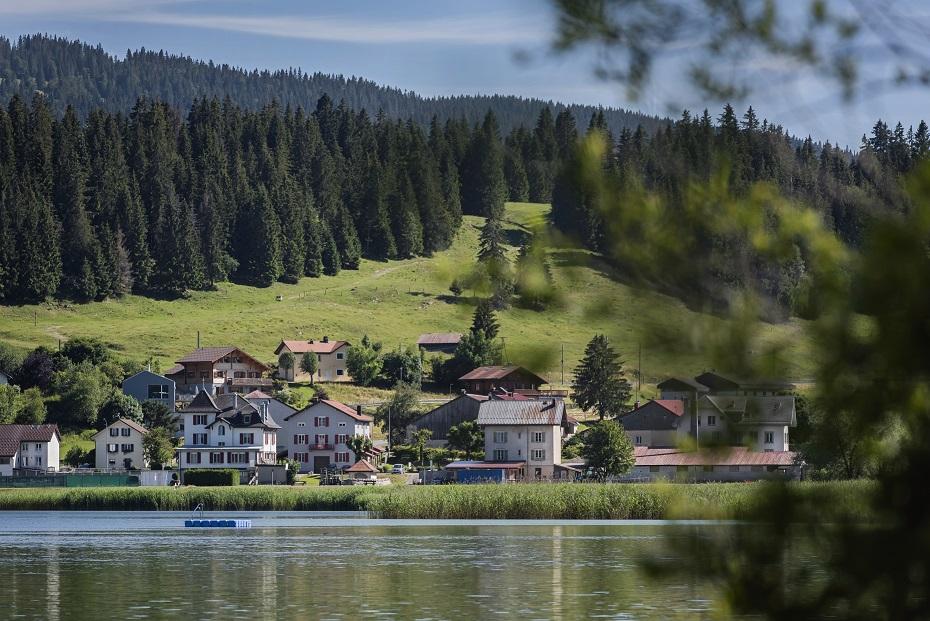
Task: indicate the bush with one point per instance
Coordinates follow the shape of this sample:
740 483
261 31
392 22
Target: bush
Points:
211 478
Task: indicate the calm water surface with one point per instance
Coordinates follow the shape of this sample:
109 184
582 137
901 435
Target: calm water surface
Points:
142 565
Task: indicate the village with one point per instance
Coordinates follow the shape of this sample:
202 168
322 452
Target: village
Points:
502 424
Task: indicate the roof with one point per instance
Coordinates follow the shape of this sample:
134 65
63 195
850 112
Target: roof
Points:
776 410
361 466
126 421
316 347
675 406
497 372
679 382
734 456
336 405
202 402
439 338
234 409
497 412
485 465
12 435
655 414
257 394
175 369
212 354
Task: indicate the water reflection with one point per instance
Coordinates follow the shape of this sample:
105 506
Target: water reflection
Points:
348 570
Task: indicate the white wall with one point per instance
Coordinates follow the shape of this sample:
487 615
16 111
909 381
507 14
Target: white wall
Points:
103 439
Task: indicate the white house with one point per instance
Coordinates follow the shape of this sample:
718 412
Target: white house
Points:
227 431
330 359
34 448
522 440
317 435
119 446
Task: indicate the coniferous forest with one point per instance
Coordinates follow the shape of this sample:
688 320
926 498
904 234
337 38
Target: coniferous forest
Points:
157 199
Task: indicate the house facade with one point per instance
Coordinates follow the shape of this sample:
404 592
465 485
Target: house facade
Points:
485 380
218 370
330 360
439 342
227 431
29 449
118 446
317 435
148 386
442 418
522 441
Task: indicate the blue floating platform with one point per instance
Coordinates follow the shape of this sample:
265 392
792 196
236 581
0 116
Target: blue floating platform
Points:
218 523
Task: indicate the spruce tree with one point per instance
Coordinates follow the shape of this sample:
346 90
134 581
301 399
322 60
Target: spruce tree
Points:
483 186
484 320
330 253
599 383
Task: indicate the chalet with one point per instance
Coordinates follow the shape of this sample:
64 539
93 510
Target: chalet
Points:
439 342
484 380
227 431
218 370
119 446
330 356
522 440
317 436
444 417
148 386
29 449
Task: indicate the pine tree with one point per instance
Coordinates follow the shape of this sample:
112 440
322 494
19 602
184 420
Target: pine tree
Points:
484 321
517 183
491 242
599 382
483 186
179 265
313 253
330 253
408 230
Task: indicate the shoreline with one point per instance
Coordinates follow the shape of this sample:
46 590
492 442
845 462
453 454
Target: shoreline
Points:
534 501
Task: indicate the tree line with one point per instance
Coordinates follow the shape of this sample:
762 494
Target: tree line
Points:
676 164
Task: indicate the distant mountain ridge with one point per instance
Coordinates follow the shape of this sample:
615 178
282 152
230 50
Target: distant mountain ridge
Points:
87 77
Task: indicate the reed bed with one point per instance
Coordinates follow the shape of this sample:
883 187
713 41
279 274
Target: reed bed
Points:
523 501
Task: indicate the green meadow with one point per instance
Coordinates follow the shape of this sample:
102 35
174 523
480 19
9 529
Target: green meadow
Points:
396 301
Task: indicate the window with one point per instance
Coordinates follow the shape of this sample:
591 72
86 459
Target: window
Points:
158 391
112 448
39 460
125 432
340 372
239 374
198 438
321 439
216 458
127 448
711 421
247 419
500 437
342 457
218 375
638 440
302 457
193 458
200 419
341 438
654 469
246 438
301 424
238 458
221 431
340 356
734 468
538 455
769 437
38 447
301 438
539 437
500 455
342 424
114 432
321 421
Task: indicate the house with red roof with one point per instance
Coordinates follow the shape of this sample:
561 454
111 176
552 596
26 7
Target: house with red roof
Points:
330 356
218 370
317 436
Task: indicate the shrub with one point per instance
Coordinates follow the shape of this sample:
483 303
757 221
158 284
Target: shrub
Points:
211 478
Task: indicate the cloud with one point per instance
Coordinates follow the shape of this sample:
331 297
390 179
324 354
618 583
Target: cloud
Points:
484 30
83 8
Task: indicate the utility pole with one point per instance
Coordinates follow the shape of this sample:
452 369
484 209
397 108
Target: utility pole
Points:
639 374
563 364
504 349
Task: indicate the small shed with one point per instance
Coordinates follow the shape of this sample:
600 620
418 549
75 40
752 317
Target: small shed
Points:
484 380
439 342
362 471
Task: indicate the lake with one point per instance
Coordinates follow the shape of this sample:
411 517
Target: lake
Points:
145 565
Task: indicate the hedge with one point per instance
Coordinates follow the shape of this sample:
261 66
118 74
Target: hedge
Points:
211 478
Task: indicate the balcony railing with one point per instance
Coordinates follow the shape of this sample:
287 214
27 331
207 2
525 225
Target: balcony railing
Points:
320 447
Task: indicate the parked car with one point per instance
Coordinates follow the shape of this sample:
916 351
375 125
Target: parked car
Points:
398 469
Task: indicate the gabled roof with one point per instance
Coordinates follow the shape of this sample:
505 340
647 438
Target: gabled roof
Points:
361 466
238 412
715 381
681 383
12 435
126 421
257 394
202 402
212 354
147 372
654 415
497 372
496 412
336 405
316 347
178 368
734 456
675 406
439 338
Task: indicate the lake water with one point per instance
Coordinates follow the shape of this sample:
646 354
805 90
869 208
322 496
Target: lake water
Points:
145 565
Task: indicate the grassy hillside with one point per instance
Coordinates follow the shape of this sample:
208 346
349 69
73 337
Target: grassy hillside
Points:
395 302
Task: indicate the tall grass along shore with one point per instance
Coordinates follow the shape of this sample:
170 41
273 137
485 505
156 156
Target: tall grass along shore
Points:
531 501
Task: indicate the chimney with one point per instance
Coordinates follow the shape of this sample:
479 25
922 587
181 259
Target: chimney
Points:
326 339
311 341
636 405
358 409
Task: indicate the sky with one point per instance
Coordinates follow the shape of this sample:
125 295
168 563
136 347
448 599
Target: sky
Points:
433 47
